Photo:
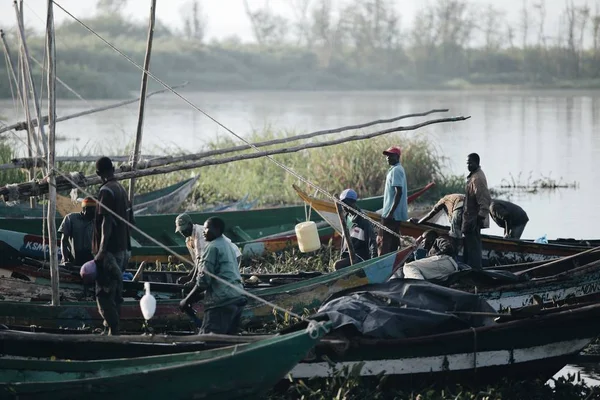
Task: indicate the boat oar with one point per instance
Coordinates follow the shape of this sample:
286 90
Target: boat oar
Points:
558 260
138 273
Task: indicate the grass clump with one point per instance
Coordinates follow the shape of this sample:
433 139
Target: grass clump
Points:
359 164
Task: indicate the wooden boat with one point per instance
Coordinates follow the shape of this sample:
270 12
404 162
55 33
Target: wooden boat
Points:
496 250
255 231
216 374
305 294
537 346
561 281
524 345
160 201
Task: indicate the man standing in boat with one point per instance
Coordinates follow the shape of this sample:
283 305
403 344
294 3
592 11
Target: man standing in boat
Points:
452 205
110 243
509 216
217 271
476 211
77 230
195 242
395 203
362 234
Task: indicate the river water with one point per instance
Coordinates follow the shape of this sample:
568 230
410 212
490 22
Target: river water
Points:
520 134
525 135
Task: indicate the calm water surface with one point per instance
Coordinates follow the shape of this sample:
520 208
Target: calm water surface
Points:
519 134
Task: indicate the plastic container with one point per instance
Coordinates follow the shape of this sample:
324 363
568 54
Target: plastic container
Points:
308 236
148 303
88 272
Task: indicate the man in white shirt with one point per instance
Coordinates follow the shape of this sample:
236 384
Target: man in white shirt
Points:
195 242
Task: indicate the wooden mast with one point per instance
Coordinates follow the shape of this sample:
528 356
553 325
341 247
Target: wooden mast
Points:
51 148
144 88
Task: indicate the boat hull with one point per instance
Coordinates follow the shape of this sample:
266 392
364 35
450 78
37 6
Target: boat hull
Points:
215 374
294 297
488 353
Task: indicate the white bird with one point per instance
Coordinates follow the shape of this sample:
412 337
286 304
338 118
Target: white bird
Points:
148 303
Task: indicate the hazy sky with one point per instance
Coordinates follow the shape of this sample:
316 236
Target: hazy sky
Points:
227 17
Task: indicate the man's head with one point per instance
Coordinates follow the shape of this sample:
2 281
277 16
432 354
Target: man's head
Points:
349 197
88 207
430 237
184 225
213 228
473 162
393 155
105 168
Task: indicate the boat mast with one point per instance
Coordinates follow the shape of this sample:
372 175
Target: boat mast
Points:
144 88
52 236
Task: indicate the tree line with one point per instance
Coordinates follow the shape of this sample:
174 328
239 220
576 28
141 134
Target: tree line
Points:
360 44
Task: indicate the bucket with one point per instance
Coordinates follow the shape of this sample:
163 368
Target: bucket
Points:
308 236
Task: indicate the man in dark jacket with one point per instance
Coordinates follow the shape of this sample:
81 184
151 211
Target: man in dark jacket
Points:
77 230
110 243
476 214
509 216
362 234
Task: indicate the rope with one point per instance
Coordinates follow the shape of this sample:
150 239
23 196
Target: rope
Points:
73 91
188 102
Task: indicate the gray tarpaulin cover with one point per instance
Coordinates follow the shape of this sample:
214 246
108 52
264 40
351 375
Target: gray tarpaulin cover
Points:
403 308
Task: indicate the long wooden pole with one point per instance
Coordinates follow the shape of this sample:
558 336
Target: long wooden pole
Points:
27 66
20 126
140 125
345 233
24 190
158 161
31 137
52 236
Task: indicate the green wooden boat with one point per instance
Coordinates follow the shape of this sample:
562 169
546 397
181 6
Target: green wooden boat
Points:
235 372
296 297
160 201
255 231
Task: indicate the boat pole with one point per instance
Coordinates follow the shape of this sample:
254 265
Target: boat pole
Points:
144 88
12 70
345 233
52 236
29 78
22 84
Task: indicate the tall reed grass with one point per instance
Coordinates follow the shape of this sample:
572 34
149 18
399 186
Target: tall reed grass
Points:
359 165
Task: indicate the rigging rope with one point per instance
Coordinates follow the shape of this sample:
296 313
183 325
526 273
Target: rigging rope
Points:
188 102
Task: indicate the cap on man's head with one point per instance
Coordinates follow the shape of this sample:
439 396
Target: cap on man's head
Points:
182 222
88 202
348 194
104 164
393 150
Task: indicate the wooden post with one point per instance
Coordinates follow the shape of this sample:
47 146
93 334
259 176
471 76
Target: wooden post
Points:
345 233
52 236
29 77
144 88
